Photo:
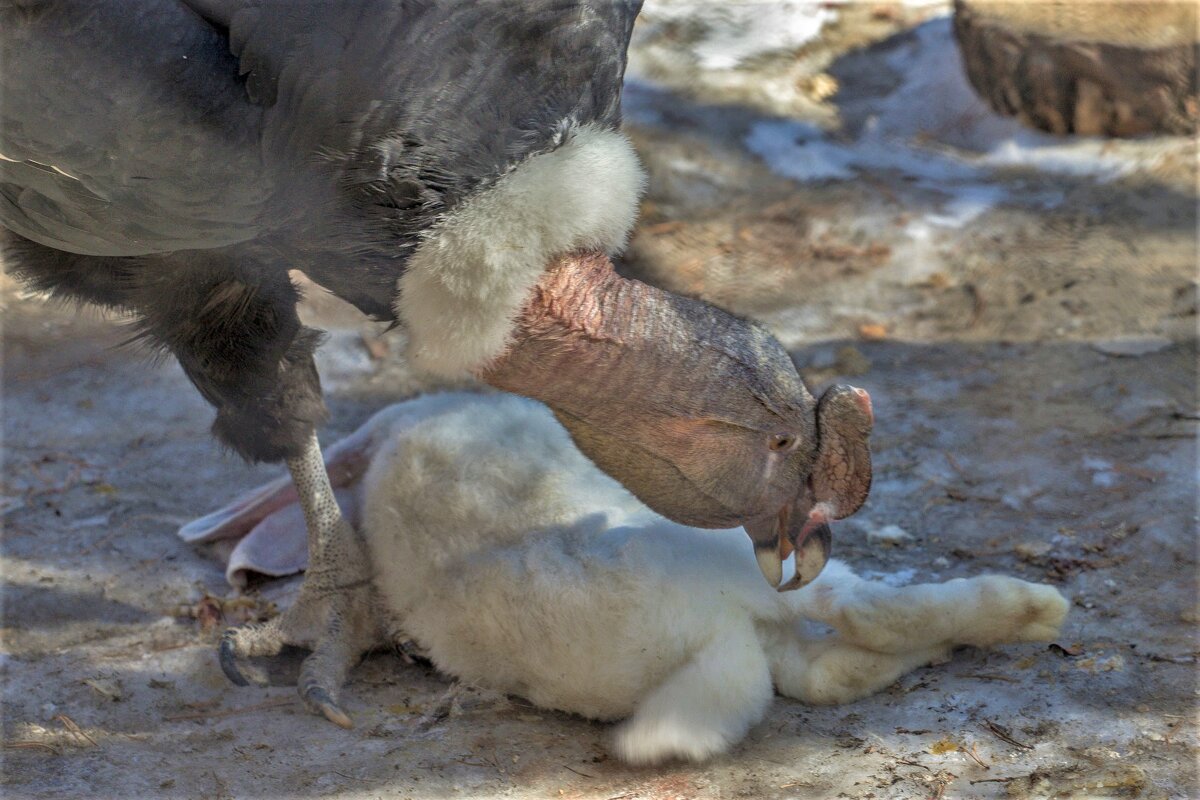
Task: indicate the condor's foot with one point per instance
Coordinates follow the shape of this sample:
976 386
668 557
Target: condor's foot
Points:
335 621
336 613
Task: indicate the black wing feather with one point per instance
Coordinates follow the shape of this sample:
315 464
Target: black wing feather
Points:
328 133
125 130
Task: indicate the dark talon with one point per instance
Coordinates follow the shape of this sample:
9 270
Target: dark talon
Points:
320 700
228 659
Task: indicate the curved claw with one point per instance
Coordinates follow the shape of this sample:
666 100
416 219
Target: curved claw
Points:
811 555
228 658
319 700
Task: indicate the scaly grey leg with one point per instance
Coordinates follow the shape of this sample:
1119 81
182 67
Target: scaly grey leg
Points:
335 612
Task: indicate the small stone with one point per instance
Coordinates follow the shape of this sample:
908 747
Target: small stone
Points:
941 562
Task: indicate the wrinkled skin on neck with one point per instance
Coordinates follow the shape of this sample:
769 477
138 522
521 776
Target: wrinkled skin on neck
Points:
700 414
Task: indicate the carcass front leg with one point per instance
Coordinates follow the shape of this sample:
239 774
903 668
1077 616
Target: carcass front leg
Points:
334 614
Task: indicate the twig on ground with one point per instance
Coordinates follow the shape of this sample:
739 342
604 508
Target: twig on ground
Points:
953 462
991 676
229 712
73 728
222 789
660 228
577 772
1002 733
29 745
991 780
975 756
356 778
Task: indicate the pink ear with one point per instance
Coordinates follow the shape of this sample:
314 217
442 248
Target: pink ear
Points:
278 545
345 461
239 517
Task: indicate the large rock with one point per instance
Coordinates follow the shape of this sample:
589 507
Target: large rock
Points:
1119 68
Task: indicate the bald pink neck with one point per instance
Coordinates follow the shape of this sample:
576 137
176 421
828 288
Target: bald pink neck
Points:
574 334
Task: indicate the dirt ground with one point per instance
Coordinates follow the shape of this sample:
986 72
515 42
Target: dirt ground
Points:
1023 313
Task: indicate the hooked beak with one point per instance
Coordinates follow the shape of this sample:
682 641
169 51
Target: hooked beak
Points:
776 538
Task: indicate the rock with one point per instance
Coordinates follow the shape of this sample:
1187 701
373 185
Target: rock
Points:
1112 68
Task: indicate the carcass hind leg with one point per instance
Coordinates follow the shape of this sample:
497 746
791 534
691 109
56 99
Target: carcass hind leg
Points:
981 611
705 706
830 670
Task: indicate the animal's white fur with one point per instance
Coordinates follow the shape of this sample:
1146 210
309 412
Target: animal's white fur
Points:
519 566
469 278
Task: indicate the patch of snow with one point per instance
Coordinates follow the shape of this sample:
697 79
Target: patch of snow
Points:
968 202
90 522
889 535
796 150
935 130
737 30
1132 346
1094 463
10 503
1017 498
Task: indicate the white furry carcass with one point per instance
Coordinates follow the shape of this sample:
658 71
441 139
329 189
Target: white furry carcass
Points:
518 566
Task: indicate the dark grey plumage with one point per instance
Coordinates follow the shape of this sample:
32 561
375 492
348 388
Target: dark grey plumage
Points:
174 158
